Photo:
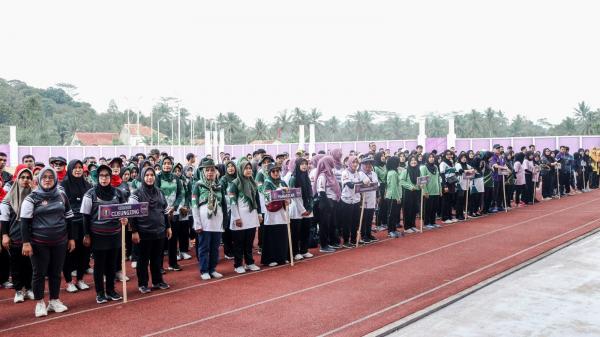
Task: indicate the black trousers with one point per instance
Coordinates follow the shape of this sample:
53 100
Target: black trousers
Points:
275 244
174 241
365 229
105 265
350 216
488 198
460 200
337 224
151 252
326 225
393 216
227 236
528 192
565 182
300 235
20 268
474 202
382 210
447 202
548 184
47 261
411 204
4 266
499 193
242 246
77 260
430 209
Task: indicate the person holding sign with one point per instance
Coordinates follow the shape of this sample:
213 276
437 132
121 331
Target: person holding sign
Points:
329 192
465 174
301 209
150 231
368 176
245 216
519 178
208 218
275 249
431 190
350 205
411 194
103 236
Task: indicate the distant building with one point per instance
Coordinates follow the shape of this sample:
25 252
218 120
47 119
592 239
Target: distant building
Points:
94 138
135 134
259 141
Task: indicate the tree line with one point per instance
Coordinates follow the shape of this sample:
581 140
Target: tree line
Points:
51 117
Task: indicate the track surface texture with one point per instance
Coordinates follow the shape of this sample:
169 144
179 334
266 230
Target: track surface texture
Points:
348 293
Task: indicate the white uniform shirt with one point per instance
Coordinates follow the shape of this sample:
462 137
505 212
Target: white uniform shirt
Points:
370 197
348 195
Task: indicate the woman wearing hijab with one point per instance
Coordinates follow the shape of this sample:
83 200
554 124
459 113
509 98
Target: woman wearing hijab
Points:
411 194
393 196
328 189
431 190
149 232
510 179
243 202
476 189
368 176
103 236
181 217
75 187
381 171
228 178
301 209
519 178
208 218
47 234
528 168
172 189
449 180
350 203
275 248
488 182
548 173
12 241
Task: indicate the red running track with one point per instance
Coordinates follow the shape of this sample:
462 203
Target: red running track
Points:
348 293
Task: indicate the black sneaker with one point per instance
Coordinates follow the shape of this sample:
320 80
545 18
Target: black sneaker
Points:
372 238
335 246
144 289
364 241
348 245
327 250
101 298
162 271
174 268
161 285
113 295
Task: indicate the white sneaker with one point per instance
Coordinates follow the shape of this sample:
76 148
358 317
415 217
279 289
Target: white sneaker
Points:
30 295
298 257
19 296
273 264
454 220
448 221
71 288
74 273
40 309
57 306
133 264
89 271
119 276
205 276
227 257
307 255
186 256
214 274
179 257
253 267
240 270
82 285
7 285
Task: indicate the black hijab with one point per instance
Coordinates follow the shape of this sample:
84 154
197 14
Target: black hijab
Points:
413 172
302 180
75 187
463 165
105 193
431 167
149 193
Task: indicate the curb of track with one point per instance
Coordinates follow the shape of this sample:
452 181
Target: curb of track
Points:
412 318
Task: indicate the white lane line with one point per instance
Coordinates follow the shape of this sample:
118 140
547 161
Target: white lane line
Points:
356 274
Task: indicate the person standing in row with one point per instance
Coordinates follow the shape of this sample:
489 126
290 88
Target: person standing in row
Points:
47 234
350 203
172 190
245 216
103 235
150 231
208 220
367 175
231 173
411 194
301 209
275 242
329 192
431 190
12 241
393 197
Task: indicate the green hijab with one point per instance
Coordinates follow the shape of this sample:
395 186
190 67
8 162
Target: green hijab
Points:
247 186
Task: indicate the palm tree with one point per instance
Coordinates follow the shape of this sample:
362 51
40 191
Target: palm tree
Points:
490 120
260 130
332 127
473 124
283 123
361 123
586 118
231 123
436 125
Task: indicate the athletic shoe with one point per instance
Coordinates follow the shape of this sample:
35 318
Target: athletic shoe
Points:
454 220
57 306
436 225
162 271
205 276
326 249
29 295
40 309
74 273
273 264
348 245
448 221
133 264
215 274
89 271
335 246
7 285
82 285
144 289
460 219
179 257
307 255
19 296
298 257
394 235
101 298
174 268
161 285
227 257
113 296
71 288
239 270
493 210
373 239
253 267
186 256
259 251
120 276
429 227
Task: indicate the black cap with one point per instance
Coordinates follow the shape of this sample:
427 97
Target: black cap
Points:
206 162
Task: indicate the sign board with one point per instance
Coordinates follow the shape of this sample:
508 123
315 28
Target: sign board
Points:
503 172
424 180
468 175
284 195
361 188
117 211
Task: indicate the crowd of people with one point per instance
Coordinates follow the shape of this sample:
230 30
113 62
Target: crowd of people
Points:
51 229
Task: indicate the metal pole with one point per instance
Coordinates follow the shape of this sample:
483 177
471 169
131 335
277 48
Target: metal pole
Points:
178 126
158 130
151 129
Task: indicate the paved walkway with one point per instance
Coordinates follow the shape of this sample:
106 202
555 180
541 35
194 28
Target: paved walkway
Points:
557 296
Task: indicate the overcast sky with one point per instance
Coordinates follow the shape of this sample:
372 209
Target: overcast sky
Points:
537 58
